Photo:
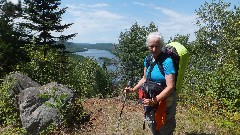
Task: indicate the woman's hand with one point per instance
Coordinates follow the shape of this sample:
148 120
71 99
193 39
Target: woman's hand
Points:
149 102
127 90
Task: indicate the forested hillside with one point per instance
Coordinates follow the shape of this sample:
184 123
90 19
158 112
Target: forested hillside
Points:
78 47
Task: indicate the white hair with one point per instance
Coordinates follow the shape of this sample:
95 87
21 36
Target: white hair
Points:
155 35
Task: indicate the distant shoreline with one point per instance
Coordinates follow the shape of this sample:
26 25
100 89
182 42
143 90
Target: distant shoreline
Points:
81 47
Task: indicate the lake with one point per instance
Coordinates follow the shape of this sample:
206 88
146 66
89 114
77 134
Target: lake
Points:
96 54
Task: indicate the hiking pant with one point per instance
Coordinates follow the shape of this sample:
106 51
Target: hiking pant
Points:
170 122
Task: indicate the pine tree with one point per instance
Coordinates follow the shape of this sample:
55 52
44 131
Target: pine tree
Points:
11 38
44 17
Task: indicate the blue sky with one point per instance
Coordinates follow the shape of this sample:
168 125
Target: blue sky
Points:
101 21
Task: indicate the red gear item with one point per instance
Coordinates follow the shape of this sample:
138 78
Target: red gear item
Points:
160 114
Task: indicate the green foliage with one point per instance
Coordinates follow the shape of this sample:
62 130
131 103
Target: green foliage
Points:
57 99
45 67
11 38
9 115
50 130
194 120
72 47
132 50
89 79
83 75
13 131
212 80
211 88
218 42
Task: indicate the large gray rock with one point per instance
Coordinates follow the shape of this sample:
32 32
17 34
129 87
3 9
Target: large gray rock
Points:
39 106
37 111
20 82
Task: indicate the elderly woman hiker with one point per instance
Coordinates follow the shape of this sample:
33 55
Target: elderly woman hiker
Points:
159 105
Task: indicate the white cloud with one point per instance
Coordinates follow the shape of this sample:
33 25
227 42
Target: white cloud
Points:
98 5
172 22
101 24
86 7
176 23
177 17
141 4
96 19
13 1
103 14
169 12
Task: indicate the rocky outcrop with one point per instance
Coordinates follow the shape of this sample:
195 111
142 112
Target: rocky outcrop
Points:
40 106
20 82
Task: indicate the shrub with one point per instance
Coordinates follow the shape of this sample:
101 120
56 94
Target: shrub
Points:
9 115
89 79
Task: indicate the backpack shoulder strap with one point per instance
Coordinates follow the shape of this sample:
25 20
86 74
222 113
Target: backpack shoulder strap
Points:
159 62
148 60
151 64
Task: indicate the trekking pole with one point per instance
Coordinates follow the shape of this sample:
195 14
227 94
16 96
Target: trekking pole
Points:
125 98
124 103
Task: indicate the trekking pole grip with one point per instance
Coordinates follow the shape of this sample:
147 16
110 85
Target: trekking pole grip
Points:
128 85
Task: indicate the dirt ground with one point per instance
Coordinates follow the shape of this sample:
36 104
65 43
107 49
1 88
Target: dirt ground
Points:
113 116
105 119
